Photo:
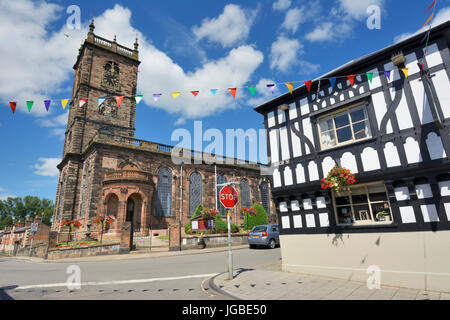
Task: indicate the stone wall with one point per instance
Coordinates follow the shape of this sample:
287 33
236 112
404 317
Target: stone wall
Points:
214 241
62 253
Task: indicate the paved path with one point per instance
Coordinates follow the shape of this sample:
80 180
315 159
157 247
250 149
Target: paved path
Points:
270 283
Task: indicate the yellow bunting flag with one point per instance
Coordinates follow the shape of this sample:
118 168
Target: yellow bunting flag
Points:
175 94
64 103
290 86
405 72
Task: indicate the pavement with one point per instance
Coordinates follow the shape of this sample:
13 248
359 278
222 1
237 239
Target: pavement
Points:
270 283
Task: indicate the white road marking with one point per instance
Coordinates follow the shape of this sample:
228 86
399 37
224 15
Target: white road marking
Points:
51 285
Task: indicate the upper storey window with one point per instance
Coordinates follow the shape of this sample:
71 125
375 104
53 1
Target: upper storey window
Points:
344 127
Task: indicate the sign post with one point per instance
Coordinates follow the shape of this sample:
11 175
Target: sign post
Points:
229 199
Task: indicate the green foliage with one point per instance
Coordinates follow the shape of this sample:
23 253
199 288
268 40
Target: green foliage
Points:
250 220
221 225
19 210
198 212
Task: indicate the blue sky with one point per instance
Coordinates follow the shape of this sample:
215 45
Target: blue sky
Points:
196 45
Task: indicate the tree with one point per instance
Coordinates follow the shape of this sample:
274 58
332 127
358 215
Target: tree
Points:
255 220
14 210
198 212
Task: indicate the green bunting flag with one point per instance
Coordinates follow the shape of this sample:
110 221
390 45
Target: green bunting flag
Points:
369 76
29 105
252 90
139 98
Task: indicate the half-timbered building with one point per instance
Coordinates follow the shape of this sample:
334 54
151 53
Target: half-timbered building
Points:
392 132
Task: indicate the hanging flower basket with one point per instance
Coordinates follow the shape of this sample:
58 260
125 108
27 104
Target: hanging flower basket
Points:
338 179
71 224
104 220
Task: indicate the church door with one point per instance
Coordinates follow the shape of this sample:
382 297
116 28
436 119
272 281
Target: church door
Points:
130 218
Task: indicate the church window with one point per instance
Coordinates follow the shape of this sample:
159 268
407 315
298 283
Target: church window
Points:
245 193
164 193
221 180
264 188
195 192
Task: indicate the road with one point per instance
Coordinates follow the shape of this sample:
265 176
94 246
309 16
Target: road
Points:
149 278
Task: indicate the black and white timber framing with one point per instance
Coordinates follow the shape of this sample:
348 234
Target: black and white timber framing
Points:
408 152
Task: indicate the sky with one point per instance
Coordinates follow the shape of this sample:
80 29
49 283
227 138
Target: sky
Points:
183 46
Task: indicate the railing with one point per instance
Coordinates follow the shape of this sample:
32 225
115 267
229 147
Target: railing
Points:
114 46
102 41
124 50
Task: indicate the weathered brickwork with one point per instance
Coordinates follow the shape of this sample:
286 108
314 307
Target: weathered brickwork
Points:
105 171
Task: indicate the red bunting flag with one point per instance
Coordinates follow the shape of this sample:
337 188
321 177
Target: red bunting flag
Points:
119 100
351 78
13 106
432 5
82 103
195 93
233 92
308 85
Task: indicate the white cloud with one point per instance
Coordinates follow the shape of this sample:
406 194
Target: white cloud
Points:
230 27
293 19
358 9
281 5
329 31
442 16
47 167
36 63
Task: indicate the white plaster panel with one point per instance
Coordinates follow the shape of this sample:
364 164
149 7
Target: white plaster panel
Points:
285 154
435 147
300 173
402 193
285 223
298 221
380 107
307 129
310 221
411 63
447 210
320 202
444 187
304 106
327 164
423 191
370 160
288 176
402 112
391 155
313 173
283 207
324 220
281 116
307 204
292 111
421 100
433 56
276 178
429 213
296 144
348 161
412 151
442 84
295 206
361 90
407 214
274 151
270 119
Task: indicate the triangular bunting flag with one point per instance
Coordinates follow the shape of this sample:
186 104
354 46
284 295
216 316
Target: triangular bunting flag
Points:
30 105
351 78
405 72
388 74
175 94
369 76
13 106
156 96
64 103
252 90
271 87
290 86
138 98
101 100
119 100
195 93
332 82
432 5
213 91
308 85
47 104
429 19
233 92
82 103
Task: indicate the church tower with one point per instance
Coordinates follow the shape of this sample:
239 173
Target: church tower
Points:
104 69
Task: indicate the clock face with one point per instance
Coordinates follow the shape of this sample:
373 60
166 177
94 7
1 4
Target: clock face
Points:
111 76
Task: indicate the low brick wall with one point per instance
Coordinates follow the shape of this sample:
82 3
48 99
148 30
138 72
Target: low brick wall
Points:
214 240
62 253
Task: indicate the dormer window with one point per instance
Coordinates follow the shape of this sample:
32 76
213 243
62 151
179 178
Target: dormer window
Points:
344 127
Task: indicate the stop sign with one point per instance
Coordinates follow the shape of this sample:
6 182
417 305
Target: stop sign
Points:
228 197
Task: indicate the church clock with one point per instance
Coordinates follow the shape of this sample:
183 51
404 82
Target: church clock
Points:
111 76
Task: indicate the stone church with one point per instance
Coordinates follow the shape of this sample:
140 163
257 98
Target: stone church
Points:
106 171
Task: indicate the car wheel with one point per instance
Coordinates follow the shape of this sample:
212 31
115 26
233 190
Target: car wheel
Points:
272 244
252 246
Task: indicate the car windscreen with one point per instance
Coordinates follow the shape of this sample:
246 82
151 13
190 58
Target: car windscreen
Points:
259 229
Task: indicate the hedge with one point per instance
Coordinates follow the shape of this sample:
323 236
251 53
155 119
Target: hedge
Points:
250 220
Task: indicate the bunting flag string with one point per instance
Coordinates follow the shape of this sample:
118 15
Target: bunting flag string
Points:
271 87
233 92
30 105
252 90
47 104
13 106
175 94
119 100
290 86
64 103
195 93
308 85
156 96
213 91
351 78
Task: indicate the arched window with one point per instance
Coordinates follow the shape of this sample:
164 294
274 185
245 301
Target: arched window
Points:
84 191
221 180
60 200
264 188
195 192
245 193
164 192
